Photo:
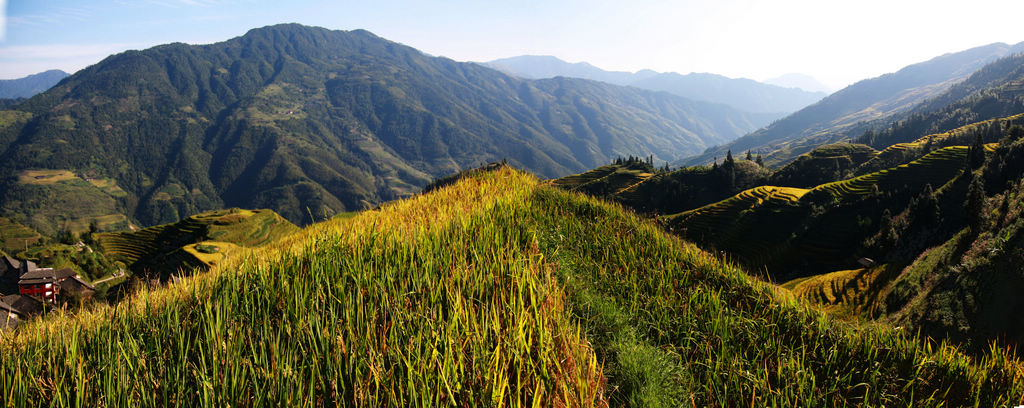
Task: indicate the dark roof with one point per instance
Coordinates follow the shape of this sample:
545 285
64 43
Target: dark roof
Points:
9 267
11 262
29 266
45 276
8 317
76 284
5 306
24 305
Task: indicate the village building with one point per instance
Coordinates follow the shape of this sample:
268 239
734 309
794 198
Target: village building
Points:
10 272
26 306
44 283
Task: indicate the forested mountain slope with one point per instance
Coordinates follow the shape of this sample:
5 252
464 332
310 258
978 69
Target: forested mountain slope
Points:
309 122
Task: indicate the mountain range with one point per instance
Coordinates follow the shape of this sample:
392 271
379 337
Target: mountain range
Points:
743 94
850 112
310 122
31 85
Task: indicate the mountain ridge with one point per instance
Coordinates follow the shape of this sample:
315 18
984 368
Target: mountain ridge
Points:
743 94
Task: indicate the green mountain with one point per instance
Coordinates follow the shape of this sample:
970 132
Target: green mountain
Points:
310 122
747 95
31 85
495 290
870 103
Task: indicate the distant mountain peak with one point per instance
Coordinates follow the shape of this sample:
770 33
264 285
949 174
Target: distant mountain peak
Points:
800 81
740 93
31 85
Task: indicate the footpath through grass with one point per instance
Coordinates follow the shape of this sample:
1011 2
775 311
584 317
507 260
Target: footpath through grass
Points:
494 291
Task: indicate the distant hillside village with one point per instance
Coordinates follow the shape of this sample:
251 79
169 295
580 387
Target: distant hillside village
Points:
26 290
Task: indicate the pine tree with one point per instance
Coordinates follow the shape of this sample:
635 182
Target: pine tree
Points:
730 170
749 156
975 205
759 160
976 153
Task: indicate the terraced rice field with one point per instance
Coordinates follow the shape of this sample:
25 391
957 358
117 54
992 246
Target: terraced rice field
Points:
585 177
722 223
167 245
898 148
16 237
936 168
847 292
712 216
250 228
130 247
609 179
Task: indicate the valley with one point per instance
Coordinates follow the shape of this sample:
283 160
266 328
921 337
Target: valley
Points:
301 216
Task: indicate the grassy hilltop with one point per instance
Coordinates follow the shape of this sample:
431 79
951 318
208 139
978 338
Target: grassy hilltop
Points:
497 290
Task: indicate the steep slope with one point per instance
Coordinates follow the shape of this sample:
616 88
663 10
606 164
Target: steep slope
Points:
993 92
550 299
743 94
310 122
844 114
31 85
792 232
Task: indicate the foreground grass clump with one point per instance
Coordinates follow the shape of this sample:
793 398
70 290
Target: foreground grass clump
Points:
494 291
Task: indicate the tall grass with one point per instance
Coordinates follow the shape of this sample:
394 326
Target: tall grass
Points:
494 291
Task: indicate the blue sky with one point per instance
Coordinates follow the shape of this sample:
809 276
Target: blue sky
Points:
837 42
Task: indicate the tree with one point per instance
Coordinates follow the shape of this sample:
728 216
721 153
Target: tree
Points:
749 156
887 230
759 161
974 207
976 153
924 209
729 165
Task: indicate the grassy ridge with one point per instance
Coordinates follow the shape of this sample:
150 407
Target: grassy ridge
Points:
494 291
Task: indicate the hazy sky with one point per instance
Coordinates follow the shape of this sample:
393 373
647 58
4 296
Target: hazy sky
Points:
838 42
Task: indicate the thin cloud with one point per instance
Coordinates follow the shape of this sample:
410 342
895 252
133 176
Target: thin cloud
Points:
57 16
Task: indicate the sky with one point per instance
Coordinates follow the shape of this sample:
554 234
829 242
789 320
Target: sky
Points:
837 42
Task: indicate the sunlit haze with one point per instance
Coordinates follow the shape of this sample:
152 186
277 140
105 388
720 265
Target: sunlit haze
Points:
836 42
